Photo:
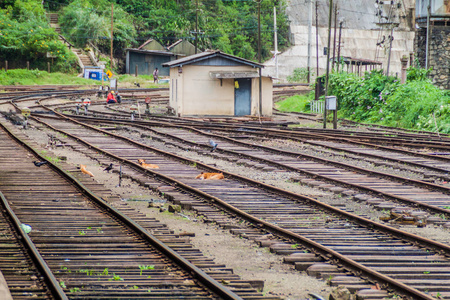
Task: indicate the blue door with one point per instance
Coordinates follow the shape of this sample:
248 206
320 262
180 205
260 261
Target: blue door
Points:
242 96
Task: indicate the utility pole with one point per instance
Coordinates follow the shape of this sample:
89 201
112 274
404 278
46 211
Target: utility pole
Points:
196 26
317 40
309 39
259 57
391 38
112 22
275 39
259 31
428 34
339 46
334 38
330 16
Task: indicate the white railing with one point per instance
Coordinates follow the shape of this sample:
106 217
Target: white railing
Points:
317 106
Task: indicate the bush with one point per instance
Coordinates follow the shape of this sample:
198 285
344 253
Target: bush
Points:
25 35
376 98
299 75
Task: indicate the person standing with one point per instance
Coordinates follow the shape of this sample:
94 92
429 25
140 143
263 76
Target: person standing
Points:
155 75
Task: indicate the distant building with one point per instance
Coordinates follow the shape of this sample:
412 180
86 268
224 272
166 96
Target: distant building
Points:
151 44
151 55
182 47
147 60
218 84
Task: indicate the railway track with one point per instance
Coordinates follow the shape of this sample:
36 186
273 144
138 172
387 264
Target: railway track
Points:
416 193
389 138
95 250
300 220
24 270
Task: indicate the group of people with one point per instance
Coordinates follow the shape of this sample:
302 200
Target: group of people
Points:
111 97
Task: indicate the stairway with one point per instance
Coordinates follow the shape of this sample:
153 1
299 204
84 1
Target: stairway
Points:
83 59
53 18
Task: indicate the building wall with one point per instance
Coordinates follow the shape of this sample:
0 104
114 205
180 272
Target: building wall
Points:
267 96
360 35
354 43
439 54
194 92
147 63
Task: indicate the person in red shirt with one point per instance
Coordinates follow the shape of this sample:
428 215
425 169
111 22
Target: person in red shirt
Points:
111 98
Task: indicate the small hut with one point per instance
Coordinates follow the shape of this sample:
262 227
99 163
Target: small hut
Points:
214 83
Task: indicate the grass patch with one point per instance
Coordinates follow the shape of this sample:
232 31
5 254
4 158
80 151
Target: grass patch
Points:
145 81
37 77
297 103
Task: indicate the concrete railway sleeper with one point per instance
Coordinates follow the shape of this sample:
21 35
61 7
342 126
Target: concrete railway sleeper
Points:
97 253
286 214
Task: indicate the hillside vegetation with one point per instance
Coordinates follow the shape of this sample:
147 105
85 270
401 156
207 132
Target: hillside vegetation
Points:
25 35
230 26
376 98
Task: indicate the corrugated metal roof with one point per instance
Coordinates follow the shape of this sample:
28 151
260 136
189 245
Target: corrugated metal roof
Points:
360 61
157 52
145 43
174 44
208 55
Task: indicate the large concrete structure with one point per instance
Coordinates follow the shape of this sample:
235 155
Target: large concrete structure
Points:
366 28
218 84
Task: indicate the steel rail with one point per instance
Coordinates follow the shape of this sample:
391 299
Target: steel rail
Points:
394 129
275 134
309 157
328 135
420 135
445 249
194 271
334 136
430 208
48 277
416 154
368 145
323 251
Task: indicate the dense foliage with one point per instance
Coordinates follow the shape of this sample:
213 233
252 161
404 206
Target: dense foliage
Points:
380 99
25 35
32 77
231 26
228 25
84 21
298 75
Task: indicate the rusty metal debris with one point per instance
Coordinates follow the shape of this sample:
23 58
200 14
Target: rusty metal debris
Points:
404 218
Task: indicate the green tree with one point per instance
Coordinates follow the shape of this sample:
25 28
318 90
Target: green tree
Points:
25 35
90 21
